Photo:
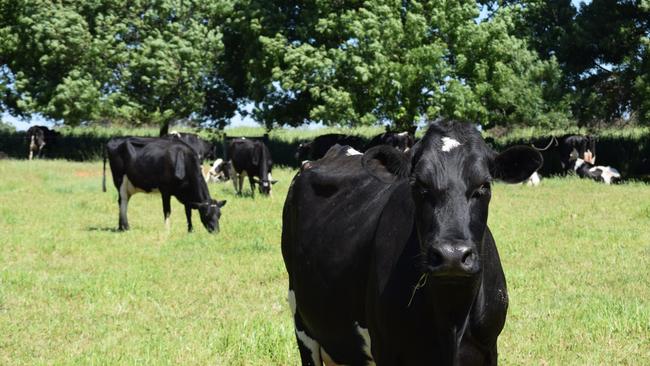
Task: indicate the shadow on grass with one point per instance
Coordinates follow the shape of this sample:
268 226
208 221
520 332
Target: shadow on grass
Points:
106 229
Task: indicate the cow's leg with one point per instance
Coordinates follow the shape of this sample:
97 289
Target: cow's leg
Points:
252 183
123 201
167 209
40 151
240 183
32 147
188 214
308 346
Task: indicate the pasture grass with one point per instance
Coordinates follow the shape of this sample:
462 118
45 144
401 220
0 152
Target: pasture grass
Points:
74 291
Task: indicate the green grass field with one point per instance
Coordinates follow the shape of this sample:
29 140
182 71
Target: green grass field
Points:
73 291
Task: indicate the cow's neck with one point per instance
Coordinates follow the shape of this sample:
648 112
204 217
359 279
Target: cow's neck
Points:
450 311
195 192
263 170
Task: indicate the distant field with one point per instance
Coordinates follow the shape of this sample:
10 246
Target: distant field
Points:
73 291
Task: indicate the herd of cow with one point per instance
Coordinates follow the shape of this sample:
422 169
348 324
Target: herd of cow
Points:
386 244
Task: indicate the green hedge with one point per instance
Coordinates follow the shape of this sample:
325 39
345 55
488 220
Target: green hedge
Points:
626 150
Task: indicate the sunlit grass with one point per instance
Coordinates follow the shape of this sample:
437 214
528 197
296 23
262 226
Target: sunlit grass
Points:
73 291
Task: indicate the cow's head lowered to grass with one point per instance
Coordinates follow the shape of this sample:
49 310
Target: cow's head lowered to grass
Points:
450 173
210 212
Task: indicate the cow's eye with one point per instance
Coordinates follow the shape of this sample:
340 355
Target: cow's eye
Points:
420 188
481 191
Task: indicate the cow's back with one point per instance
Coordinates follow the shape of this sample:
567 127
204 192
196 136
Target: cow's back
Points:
329 221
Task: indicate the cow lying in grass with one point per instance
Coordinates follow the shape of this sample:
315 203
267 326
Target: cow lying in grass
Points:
586 168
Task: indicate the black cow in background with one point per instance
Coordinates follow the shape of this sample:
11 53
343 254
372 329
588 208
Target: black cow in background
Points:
250 158
581 144
205 149
389 256
400 140
317 148
167 166
558 152
37 138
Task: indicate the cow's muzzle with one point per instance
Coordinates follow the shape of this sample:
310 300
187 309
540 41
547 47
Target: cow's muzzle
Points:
452 259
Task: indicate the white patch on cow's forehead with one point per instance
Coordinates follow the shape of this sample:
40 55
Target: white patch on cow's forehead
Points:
402 133
350 151
367 349
448 144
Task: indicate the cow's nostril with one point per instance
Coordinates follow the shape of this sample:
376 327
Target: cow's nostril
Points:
468 258
435 257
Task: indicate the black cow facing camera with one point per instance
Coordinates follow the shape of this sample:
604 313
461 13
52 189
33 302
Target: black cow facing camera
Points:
389 255
168 166
37 138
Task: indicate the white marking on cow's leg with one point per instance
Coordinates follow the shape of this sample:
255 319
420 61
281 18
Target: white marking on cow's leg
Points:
307 341
351 151
168 225
367 346
448 144
327 359
291 298
32 147
311 345
124 202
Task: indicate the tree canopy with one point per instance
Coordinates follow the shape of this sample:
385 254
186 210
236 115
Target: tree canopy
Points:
505 63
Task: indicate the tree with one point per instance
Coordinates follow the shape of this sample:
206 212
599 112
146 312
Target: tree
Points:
602 49
137 61
387 61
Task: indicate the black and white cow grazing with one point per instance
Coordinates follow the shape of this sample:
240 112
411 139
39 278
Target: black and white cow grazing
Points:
389 256
167 166
37 138
251 158
399 140
203 148
317 148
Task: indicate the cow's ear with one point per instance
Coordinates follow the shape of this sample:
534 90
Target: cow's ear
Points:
273 181
221 203
179 165
387 163
516 164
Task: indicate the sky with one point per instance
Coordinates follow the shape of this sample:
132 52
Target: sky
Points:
236 121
